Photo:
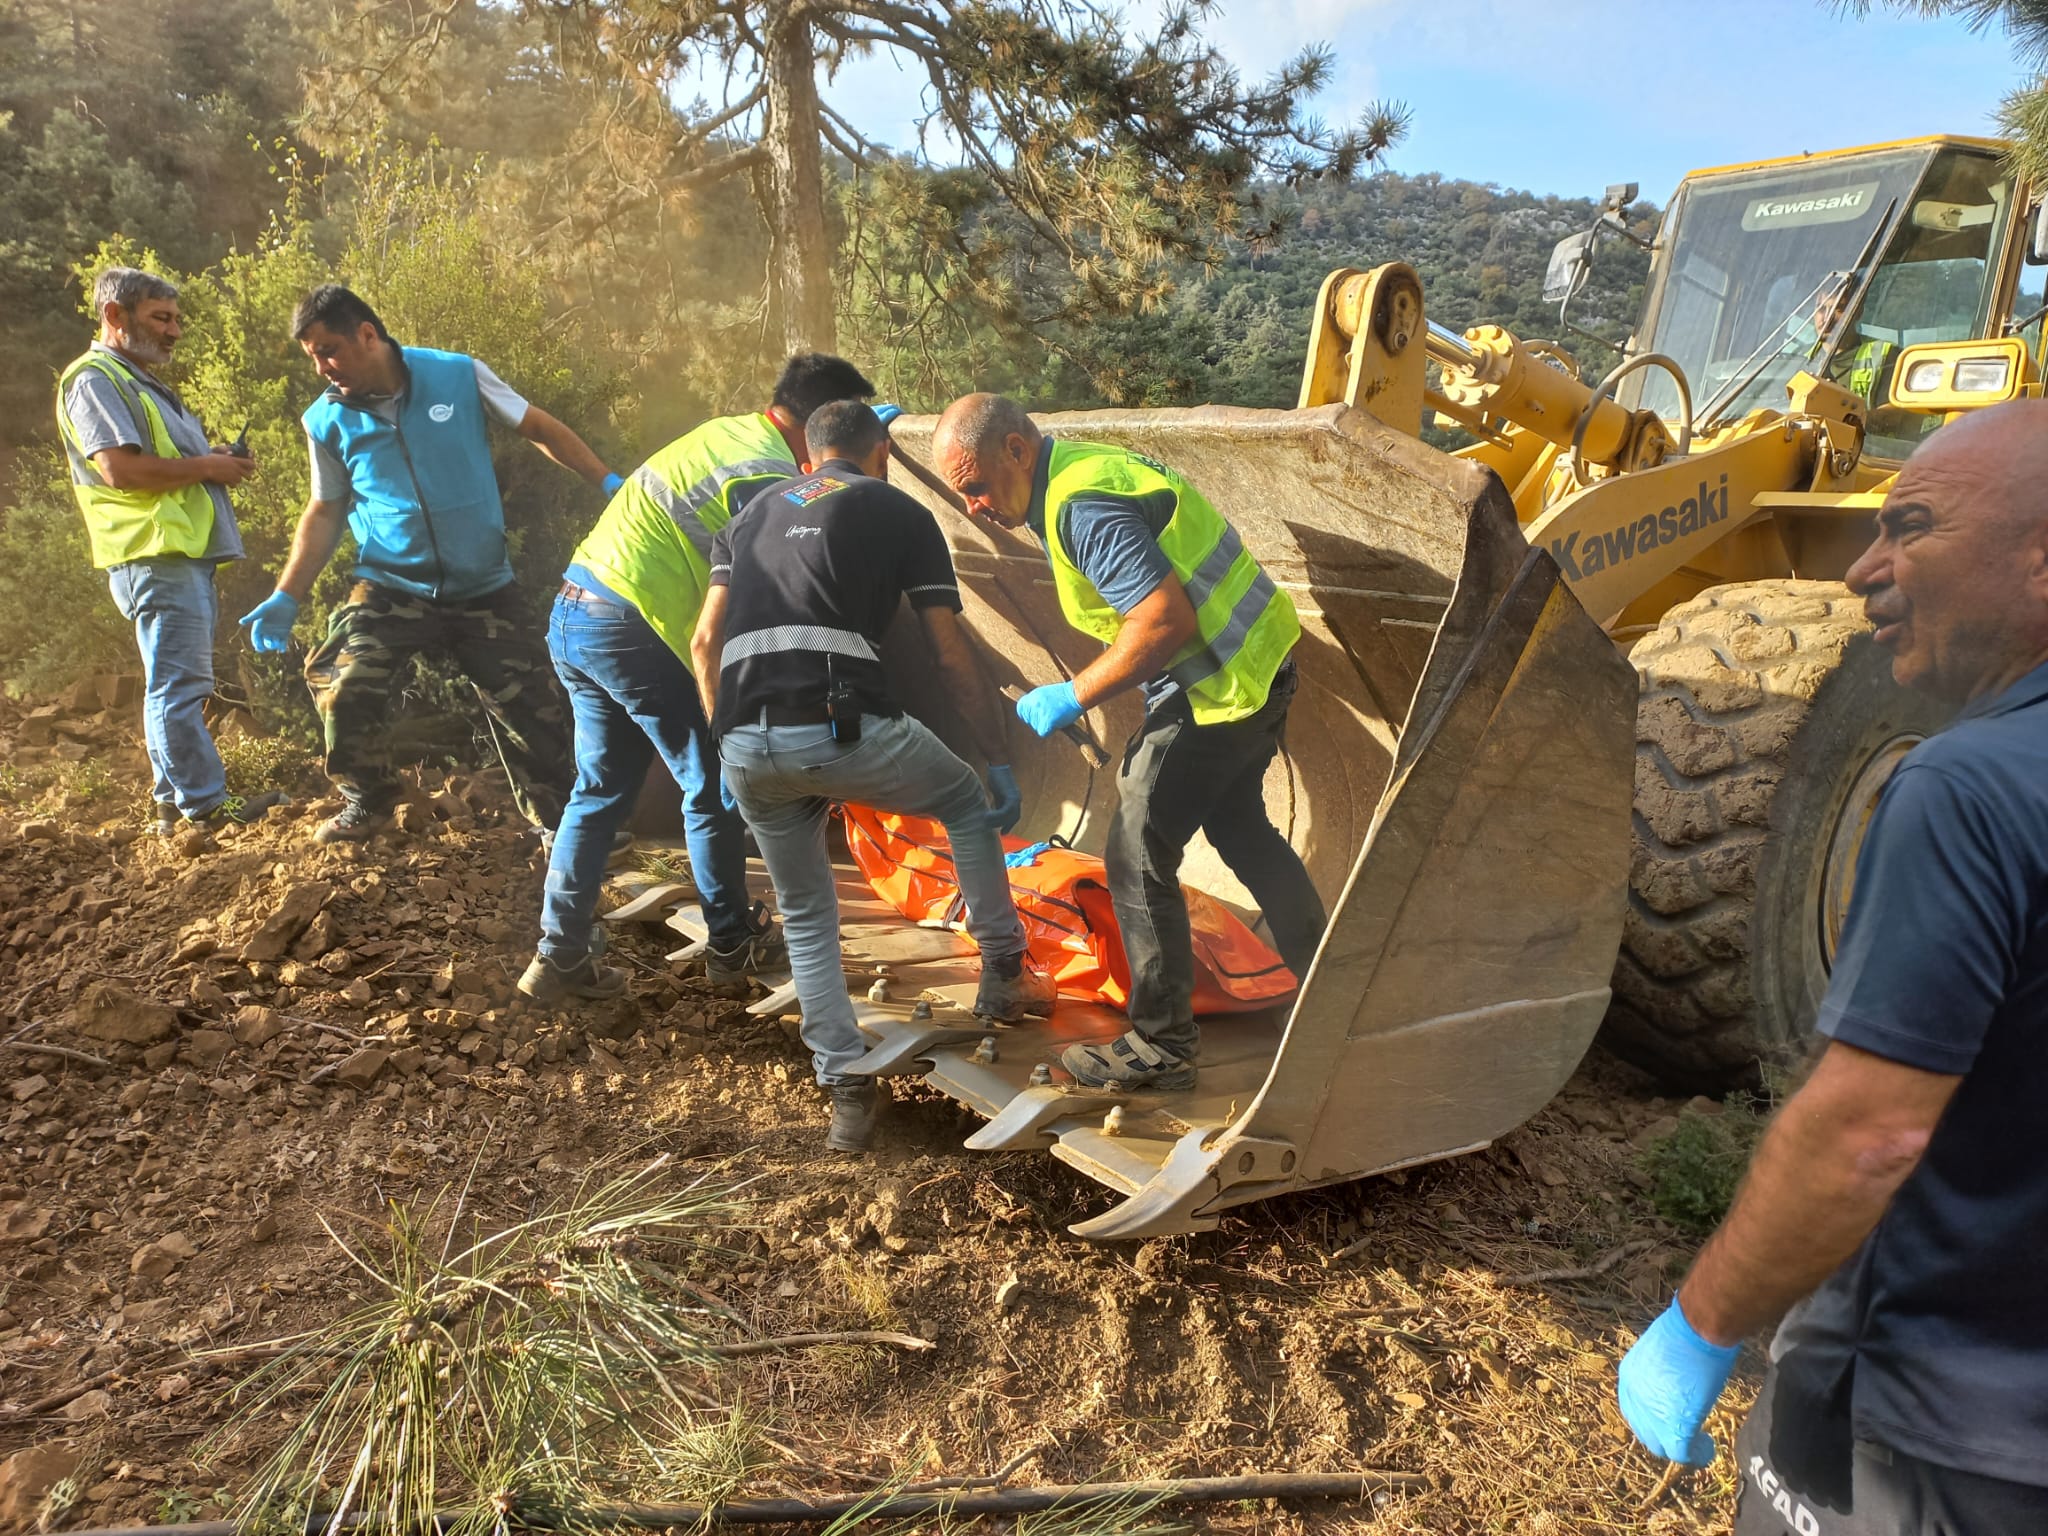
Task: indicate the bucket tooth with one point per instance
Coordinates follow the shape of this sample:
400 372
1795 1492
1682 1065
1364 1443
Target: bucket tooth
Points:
1026 1120
904 1049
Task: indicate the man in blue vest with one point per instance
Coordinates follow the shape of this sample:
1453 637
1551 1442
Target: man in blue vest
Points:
154 494
402 461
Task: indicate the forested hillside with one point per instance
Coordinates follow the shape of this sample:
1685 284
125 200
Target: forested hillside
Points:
1238 335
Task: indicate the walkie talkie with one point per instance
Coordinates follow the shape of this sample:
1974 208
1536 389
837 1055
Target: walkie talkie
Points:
842 707
240 446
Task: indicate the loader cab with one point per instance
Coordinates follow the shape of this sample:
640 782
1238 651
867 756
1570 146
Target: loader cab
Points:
1832 264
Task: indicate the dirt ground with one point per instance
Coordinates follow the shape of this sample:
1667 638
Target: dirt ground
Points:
265 1033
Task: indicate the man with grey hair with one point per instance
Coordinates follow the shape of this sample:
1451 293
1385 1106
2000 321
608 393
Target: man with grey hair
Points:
1142 562
1898 1203
154 494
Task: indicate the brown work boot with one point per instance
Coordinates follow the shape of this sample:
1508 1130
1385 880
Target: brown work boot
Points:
1011 987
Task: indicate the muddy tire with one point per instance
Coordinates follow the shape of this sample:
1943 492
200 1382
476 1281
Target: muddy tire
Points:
1768 722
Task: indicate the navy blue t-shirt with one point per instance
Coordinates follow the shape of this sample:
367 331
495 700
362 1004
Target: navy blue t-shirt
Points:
1114 542
1944 966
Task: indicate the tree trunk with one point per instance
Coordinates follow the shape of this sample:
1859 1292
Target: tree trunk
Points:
800 255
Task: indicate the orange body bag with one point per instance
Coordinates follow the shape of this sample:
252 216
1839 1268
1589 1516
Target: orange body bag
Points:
1070 927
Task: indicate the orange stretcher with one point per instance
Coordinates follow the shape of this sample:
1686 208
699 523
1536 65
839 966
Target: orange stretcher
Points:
1070 927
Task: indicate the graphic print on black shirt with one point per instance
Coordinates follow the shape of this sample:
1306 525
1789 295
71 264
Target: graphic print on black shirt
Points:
816 567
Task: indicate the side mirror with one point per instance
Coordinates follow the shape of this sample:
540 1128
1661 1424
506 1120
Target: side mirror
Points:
1571 263
2037 236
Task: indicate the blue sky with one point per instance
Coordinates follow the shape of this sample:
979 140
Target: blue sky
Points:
1508 91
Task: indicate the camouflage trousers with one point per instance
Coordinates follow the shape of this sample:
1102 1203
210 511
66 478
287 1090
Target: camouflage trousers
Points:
373 637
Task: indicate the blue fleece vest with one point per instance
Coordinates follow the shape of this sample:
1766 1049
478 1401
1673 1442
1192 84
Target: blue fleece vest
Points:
426 515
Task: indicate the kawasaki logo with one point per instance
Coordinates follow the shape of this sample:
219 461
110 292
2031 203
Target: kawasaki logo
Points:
1646 533
1831 207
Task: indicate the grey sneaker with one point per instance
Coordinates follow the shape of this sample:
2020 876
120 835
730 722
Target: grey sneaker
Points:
731 972
855 1108
546 982
235 811
353 823
168 822
1128 1061
1010 988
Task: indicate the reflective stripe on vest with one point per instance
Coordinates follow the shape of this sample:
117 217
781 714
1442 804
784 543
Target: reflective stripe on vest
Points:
652 546
778 638
1866 366
132 525
1245 624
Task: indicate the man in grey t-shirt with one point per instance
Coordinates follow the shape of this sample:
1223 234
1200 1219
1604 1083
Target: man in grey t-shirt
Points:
154 495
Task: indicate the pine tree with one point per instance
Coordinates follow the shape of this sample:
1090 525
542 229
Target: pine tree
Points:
1122 155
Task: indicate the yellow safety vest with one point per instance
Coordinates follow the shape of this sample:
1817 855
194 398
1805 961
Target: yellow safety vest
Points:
652 546
132 525
1866 367
1245 625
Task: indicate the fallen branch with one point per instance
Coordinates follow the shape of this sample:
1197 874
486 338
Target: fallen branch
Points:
1591 1271
1672 1471
44 1048
908 1341
1352 1486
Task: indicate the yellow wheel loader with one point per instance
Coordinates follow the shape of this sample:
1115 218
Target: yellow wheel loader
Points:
1519 833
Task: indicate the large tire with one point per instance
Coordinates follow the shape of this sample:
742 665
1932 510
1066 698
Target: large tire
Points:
1768 722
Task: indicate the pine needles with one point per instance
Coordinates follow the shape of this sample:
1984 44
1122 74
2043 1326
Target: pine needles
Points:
507 1379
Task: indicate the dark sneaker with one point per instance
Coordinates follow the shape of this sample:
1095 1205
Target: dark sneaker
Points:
352 824
1128 1061
235 811
855 1108
546 982
731 972
1011 988
168 822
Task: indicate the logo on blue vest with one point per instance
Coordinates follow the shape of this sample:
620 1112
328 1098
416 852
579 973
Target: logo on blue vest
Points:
440 412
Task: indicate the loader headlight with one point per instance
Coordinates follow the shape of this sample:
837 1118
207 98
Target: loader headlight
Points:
1949 376
1982 375
1925 377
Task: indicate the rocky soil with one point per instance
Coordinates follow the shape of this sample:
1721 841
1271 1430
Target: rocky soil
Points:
217 1050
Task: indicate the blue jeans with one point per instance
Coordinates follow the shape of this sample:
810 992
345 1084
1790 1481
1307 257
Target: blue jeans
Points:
785 778
631 696
172 604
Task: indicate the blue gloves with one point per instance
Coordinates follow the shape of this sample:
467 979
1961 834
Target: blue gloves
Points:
1667 1385
270 621
612 484
887 413
1006 799
1050 708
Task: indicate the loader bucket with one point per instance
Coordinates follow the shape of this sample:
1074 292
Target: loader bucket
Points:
1457 777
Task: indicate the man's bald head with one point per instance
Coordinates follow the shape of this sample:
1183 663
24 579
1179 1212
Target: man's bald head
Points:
1957 579
986 446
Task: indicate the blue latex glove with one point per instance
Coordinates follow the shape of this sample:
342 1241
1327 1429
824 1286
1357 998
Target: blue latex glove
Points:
1006 800
612 484
887 413
1667 1385
1050 708
270 621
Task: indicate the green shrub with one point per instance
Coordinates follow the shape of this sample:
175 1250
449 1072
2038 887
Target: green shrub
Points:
1695 1169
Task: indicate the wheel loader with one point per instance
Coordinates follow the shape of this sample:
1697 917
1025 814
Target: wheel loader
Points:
1588 728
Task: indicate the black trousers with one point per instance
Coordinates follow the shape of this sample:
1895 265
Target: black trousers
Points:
1178 778
1804 1474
